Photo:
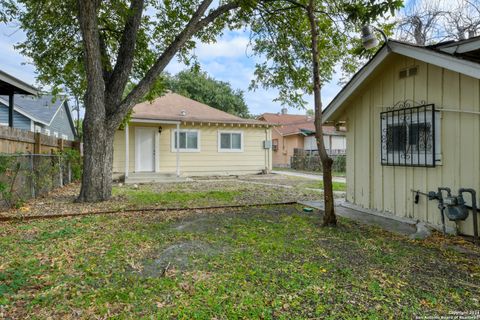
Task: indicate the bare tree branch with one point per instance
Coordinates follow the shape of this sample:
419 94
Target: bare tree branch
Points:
119 77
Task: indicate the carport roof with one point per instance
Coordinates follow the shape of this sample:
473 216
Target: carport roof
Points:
9 84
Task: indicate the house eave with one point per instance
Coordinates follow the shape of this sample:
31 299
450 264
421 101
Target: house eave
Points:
19 86
201 121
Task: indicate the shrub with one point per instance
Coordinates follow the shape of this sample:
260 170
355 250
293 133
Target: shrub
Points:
76 165
9 169
312 163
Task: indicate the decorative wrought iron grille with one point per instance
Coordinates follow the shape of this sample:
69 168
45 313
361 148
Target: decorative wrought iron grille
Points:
408 135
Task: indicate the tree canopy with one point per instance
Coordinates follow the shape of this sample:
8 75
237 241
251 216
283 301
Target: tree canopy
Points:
54 41
201 87
426 22
281 34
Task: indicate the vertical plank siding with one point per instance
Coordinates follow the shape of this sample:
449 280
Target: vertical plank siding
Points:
208 161
388 189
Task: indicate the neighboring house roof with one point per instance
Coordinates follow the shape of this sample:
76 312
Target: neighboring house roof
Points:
281 118
9 84
468 49
440 55
291 124
174 107
40 109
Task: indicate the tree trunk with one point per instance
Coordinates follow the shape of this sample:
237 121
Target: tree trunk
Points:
329 217
97 161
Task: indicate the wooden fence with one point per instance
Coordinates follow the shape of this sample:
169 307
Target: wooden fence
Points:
14 140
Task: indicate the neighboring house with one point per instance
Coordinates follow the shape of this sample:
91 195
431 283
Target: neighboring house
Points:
46 114
413 123
176 136
293 131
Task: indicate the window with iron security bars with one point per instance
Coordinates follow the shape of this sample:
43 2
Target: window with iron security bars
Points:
410 136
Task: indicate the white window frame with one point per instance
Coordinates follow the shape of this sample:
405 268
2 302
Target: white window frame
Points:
172 140
55 134
219 141
47 132
38 128
64 137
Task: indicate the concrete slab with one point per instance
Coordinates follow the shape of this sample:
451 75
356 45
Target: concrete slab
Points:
387 223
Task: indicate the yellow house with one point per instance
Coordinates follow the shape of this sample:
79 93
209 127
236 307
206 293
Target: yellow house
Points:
413 125
174 136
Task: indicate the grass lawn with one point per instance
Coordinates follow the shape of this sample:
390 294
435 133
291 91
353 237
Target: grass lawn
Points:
146 196
337 186
266 262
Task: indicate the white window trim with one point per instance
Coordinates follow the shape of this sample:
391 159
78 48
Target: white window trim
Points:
38 128
47 132
64 137
230 150
172 140
55 134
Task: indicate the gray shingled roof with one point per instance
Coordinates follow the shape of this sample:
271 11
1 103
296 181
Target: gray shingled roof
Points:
42 108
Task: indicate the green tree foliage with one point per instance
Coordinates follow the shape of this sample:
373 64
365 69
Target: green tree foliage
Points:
8 10
54 42
201 87
281 33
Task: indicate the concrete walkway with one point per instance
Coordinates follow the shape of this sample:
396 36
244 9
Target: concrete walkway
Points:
307 176
408 228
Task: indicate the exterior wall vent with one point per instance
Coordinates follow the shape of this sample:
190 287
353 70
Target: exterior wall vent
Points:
409 72
412 71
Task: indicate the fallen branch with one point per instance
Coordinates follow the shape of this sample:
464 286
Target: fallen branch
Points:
156 210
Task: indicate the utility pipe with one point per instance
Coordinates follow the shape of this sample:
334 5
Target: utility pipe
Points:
474 211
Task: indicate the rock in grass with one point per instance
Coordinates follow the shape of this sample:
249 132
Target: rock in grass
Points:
422 232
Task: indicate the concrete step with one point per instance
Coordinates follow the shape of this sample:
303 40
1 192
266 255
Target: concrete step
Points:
151 177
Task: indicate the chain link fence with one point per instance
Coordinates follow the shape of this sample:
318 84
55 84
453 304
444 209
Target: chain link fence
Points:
25 176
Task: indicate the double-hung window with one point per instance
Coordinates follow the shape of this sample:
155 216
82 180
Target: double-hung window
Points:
230 141
410 136
186 140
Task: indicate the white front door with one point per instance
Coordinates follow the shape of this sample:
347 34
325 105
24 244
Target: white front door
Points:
145 149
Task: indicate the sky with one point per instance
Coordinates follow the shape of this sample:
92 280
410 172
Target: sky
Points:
227 60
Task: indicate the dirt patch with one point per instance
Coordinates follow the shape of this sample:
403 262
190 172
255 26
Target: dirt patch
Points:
186 255
200 224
